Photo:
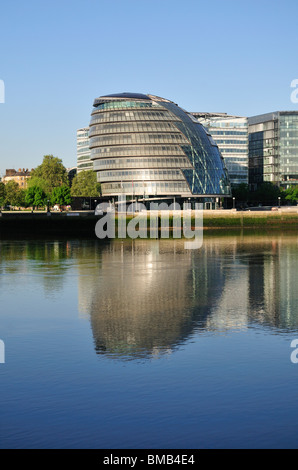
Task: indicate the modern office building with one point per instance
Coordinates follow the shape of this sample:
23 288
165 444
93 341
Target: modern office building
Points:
273 149
83 151
231 135
144 145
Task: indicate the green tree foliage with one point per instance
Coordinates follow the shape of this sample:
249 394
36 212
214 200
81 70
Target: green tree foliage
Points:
2 194
36 197
35 181
12 193
21 198
85 184
241 192
266 194
291 194
50 174
61 195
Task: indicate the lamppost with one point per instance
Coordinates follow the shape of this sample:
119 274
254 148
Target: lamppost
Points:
95 205
48 208
233 203
278 201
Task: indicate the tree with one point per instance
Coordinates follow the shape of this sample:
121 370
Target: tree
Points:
241 192
50 174
36 181
85 184
35 196
292 194
11 193
2 194
61 195
266 194
21 197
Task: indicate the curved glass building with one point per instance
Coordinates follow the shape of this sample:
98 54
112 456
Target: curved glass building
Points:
147 146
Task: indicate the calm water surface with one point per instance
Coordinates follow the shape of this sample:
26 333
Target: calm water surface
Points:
143 344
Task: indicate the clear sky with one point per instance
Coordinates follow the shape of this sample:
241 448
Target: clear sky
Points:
238 57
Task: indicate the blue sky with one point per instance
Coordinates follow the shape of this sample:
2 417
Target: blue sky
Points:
57 56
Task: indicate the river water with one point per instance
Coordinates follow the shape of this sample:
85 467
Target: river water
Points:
143 344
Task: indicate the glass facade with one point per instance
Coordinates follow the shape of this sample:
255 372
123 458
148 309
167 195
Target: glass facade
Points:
83 150
147 146
231 136
273 149
288 148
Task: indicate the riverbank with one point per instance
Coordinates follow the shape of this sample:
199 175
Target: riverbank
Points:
82 224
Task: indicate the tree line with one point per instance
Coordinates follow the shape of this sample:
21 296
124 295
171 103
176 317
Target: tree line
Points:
49 185
266 194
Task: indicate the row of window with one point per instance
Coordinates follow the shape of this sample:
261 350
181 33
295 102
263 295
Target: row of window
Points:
137 150
126 105
289 143
132 116
235 159
149 189
142 162
233 151
237 176
84 157
232 142
228 133
85 165
162 126
136 138
140 175
228 124
237 168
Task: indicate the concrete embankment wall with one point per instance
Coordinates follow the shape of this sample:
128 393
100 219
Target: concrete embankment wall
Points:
250 219
82 224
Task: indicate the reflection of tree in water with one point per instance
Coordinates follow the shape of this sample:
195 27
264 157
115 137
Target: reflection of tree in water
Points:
42 260
45 261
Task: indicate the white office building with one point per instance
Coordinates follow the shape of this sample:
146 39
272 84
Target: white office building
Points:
83 151
231 135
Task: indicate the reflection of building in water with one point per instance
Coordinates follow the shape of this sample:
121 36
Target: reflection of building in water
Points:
147 297
231 310
88 259
288 287
272 285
